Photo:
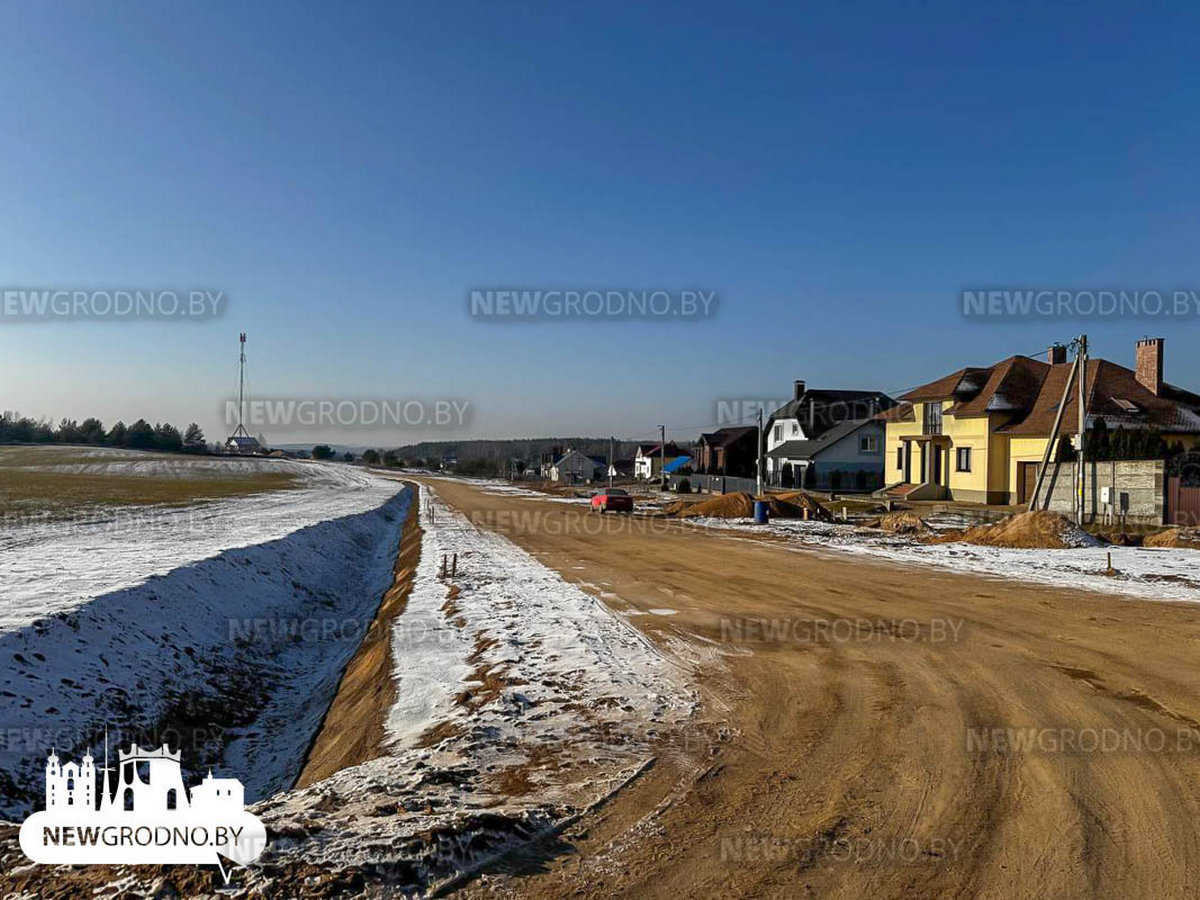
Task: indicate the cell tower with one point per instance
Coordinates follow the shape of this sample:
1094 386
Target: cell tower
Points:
240 441
240 431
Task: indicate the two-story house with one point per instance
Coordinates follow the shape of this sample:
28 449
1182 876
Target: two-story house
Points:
980 434
827 439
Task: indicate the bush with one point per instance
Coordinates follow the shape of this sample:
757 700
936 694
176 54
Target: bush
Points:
684 486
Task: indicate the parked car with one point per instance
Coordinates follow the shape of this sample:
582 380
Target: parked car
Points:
613 499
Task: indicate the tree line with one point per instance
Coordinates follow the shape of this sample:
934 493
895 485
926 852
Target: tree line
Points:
141 435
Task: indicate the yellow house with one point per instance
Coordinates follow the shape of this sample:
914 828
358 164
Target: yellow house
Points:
979 434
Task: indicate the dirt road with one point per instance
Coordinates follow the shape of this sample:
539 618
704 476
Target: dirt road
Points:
891 732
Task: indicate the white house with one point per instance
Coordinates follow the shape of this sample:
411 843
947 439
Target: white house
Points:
847 457
795 429
649 459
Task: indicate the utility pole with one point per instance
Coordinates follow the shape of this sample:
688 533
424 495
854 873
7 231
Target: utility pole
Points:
1051 452
611 461
1080 470
662 455
759 461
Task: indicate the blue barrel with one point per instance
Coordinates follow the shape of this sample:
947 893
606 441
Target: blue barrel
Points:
762 512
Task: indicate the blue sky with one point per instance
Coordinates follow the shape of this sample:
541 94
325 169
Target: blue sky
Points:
346 173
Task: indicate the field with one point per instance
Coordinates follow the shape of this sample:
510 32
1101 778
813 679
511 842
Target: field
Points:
59 482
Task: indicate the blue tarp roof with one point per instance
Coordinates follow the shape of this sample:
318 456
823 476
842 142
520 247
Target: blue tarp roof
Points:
676 464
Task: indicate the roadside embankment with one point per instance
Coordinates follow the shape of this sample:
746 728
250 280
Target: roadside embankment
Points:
233 659
353 729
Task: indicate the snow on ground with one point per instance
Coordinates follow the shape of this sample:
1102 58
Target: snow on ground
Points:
238 614
1149 573
54 566
543 701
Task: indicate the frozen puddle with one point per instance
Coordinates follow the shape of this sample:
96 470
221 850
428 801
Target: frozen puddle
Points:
521 699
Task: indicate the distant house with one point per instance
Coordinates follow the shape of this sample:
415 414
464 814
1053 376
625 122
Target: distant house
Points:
649 460
728 451
243 445
827 439
621 468
574 467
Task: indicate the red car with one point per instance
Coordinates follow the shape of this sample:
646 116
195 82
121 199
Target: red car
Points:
612 499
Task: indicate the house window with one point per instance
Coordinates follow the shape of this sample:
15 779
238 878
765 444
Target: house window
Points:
778 432
795 428
933 419
900 457
964 459
868 444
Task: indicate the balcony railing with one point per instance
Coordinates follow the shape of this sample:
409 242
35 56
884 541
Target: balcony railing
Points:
932 423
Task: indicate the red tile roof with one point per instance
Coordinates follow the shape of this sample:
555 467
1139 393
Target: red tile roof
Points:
1030 391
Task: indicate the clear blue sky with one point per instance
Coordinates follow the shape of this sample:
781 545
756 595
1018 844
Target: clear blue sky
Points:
346 172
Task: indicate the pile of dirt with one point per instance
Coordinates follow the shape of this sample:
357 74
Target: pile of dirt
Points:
739 505
901 523
1037 530
1185 538
1122 538
792 506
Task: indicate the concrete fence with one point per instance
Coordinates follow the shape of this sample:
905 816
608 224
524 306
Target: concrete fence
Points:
1136 490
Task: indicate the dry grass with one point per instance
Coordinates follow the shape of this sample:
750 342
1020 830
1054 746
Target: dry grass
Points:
34 482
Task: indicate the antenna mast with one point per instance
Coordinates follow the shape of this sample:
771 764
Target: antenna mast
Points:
241 428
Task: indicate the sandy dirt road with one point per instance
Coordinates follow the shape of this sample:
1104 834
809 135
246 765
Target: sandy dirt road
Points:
872 730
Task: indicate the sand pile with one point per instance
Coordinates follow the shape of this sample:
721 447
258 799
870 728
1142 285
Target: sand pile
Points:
1038 530
739 505
1187 538
901 523
792 506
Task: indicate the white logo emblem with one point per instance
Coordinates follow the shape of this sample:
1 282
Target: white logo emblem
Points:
147 816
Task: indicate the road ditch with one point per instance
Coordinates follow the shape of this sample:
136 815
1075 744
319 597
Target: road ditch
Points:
352 731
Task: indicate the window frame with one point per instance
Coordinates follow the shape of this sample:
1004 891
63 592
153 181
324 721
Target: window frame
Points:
958 459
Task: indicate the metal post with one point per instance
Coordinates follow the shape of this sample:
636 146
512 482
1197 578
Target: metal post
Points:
662 455
1080 469
759 461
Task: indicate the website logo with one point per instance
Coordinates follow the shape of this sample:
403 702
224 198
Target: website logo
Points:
143 814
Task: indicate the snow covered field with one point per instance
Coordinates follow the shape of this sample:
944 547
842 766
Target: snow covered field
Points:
53 566
238 614
543 701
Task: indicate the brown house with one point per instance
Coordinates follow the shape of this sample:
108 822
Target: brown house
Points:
727 451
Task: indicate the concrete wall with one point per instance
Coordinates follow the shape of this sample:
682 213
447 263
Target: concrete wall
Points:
1137 490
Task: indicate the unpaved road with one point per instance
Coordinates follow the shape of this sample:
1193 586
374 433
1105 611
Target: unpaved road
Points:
862 760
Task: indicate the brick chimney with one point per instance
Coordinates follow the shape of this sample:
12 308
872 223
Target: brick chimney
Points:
1149 368
1057 355
798 389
